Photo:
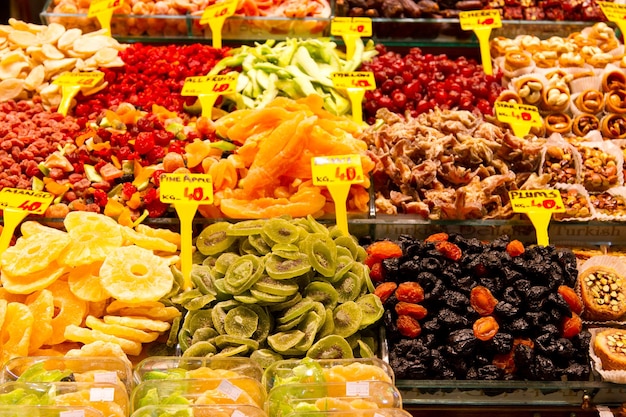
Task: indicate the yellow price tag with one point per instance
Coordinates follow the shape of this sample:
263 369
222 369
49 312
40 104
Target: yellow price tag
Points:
354 79
186 188
521 117
210 84
82 79
481 22
359 26
103 11
614 12
215 15
539 206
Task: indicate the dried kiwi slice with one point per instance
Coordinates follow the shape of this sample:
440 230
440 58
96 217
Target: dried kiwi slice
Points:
279 230
199 319
310 326
266 298
202 278
349 287
243 273
200 349
344 265
322 292
218 314
230 351
322 253
347 318
265 323
330 347
246 298
222 263
281 268
259 243
225 340
246 228
315 226
297 310
372 309
204 334
213 239
328 327
241 322
291 324
348 242
283 287
199 302
265 357
283 341
295 299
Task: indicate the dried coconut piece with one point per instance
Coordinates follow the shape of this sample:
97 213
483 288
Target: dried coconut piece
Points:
55 66
51 52
117 62
24 26
106 55
35 78
10 89
52 33
90 44
23 39
66 41
12 70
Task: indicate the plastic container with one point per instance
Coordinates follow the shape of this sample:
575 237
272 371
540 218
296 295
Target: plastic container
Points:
83 369
239 391
285 399
110 399
48 411
290 371
212 410
168 367
383 412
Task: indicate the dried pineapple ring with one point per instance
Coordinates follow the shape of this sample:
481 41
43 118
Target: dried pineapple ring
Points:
91 243
166 234
16 331
74 219
84 282
140 323
41 304
135 275
71 311
26 284
148 242
84 335
118 330
40 253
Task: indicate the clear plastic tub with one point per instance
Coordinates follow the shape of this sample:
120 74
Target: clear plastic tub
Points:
285 399
48 411
241 390
168 367
81 369
110 399
212 410
290 371
383 412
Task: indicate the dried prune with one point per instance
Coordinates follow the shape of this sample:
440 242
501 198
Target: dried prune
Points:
501 343
390 267
432 325
452 320
456 300
544 368
564 348
431 264
505 311
407 270
524 360
577 372
463 342
489 373
546 344
510 296
538 318
522 287
518 327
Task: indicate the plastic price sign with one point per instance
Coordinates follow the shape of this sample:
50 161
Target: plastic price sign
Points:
72 82
538 206
16 204
337 173
521 117
355 83
615 12
215 15
208 88
186 192
351 29
481 22
103 11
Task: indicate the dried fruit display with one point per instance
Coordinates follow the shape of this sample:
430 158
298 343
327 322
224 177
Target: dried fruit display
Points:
500 311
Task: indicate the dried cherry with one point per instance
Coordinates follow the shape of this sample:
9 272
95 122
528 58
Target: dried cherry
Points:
515 248
410 292
571 326
449 250
482 301
416 311
385 290
571 298
485 328
408 326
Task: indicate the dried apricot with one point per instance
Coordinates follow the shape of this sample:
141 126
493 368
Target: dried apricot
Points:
382 249
505 361
408 326
571 326
416 311
482 301
515 248
449 250
571 298
437 237
376 272
485 328
384 290
410 291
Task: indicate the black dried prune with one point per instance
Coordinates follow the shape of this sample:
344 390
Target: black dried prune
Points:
429 339
568 261
501 343
462 342
518 326
538 318
511 296
452 320
464 283
493 284
522 287
577 372
511 275
545 344
545 369
549 329
564 348
408 269
557 301
472 373
489 373
456 300
505 311
431 325
481 359
524 360
431 264
499 244
390 269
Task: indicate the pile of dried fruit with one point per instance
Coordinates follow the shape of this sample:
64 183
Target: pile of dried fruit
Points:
461 308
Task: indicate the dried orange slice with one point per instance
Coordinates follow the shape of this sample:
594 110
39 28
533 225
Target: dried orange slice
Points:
26 284
91 243
84 335
140 323
70 310
164 234
84 282
41 304
15 332
148 242
121 331
135 275
40 253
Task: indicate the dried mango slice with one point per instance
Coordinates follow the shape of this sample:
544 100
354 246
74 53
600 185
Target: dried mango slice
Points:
84 282
26 284
70 310
91 243
16 331
140 323
121 331
135 275
84 335
41 304
40 253
101 348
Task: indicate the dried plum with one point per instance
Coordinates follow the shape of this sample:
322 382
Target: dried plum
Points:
501 343
489 373
545 369
510 296
452 320
505 311
518 327
557 301
456 300
462 342
391 267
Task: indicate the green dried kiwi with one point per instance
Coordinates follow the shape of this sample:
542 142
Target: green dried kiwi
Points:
334 232
213 239
348 242
241 322
177 284
246 227
330 347
265 298
204 334
185 296
246 298
285 247
265 323
310 326
197 257
209 261
198 319
184 339
243 273
361 254
363 271
372 309
299 309
220 289
295 299
199 302
230 351
347 318
172 338
322 292
283 287
218 314
303 224
265 357
353 341
291 324
279 230
245 248
225 340
322 253
281 268
316 226
258 243
328 327
202 279
223 262
344 265
200 349
370 341
349 287
286 254
343 251
283 341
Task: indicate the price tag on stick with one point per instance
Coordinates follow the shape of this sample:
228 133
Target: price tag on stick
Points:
208 88
16 204
186 192
521 117
481 22
103 11
351 29
355 83
539 206
337 173
215 15
72 82
615 12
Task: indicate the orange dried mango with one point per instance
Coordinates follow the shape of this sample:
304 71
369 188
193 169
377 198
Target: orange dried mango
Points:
70 310
16 331
41 304
298 205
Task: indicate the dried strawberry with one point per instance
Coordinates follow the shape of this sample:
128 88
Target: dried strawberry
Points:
482 301
376 272
485 328
384 290
408 326
449 250
410 292
571 298
571 326
416 311
515 248
437 237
